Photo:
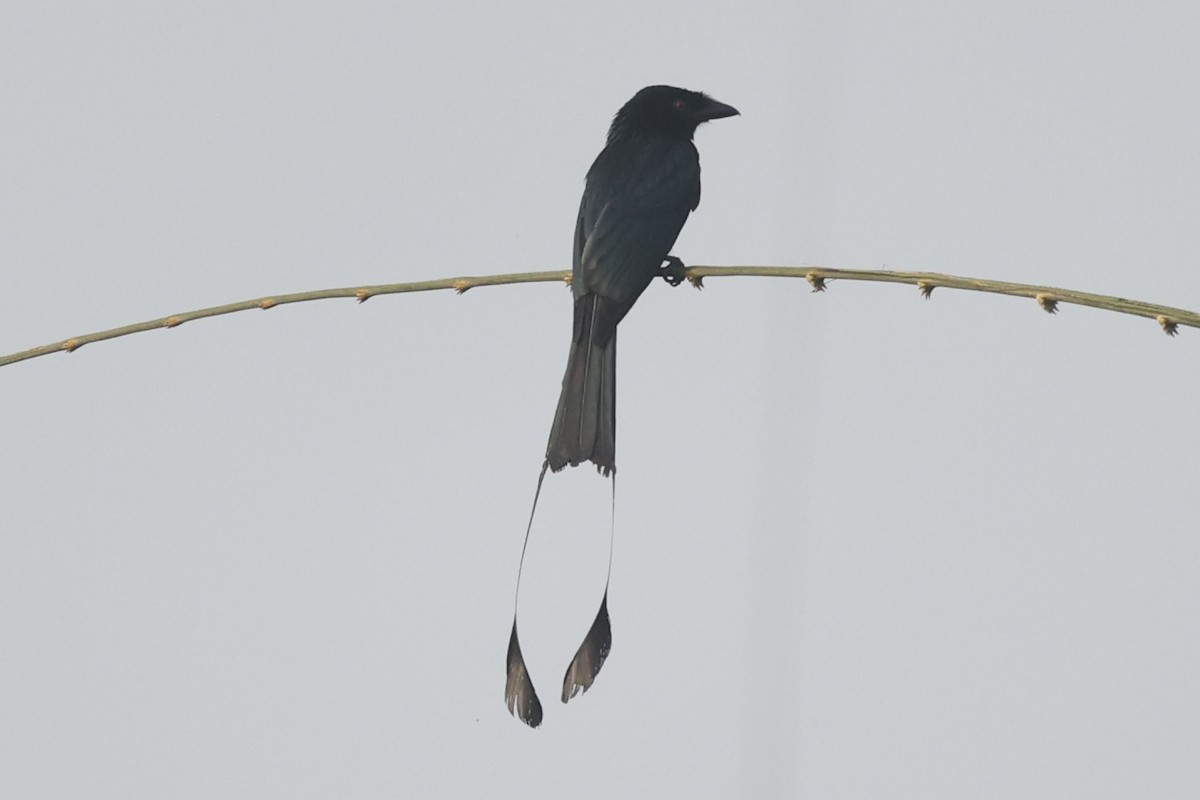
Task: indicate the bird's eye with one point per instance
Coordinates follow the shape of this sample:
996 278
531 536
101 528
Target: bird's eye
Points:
679 105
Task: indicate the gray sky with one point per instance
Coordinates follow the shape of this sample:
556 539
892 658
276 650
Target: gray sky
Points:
867 546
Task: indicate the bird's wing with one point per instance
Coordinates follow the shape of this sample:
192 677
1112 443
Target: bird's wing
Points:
631 213
627 247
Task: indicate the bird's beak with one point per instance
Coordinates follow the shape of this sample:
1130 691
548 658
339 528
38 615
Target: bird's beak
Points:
715 109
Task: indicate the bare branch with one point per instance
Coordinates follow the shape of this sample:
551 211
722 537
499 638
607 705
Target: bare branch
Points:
1047 297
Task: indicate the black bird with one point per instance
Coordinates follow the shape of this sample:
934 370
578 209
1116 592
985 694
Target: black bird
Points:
638 193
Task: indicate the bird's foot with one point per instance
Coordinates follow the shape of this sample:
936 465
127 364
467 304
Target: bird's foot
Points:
673 272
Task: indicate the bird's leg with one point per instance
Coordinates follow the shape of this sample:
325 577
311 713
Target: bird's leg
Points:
674 272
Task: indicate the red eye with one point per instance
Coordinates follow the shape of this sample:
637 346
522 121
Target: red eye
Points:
679 105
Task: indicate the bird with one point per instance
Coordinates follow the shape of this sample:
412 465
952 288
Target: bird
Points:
637 195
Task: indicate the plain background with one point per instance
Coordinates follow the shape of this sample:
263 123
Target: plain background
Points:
867 545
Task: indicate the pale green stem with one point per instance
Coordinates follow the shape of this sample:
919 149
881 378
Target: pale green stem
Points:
1047 296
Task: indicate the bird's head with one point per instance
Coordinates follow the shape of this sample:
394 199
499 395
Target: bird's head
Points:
667 110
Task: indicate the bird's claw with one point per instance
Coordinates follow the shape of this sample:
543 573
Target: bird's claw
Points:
674 272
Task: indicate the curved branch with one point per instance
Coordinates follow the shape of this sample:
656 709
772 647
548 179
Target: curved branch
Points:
1048 297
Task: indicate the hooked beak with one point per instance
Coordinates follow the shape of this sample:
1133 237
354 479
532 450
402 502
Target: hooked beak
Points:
714 109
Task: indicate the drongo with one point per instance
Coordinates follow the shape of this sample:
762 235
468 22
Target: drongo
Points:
638 193
637 196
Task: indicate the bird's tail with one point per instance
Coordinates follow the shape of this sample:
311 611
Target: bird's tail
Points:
586 420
